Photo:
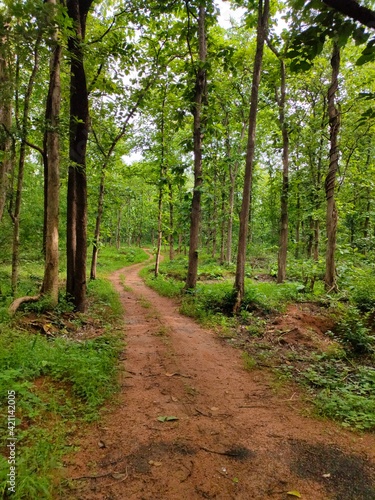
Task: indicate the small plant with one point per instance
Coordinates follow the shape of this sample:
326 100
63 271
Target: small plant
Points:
351 330
248 361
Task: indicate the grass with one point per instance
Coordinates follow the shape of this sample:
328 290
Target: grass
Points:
60 381
341 381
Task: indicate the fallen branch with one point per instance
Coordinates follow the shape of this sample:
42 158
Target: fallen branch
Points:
14 306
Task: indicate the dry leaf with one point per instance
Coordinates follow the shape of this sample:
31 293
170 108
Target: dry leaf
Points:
119 475
101 444
294 493
155 464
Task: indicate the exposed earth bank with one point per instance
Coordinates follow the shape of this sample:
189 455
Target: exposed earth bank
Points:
192 423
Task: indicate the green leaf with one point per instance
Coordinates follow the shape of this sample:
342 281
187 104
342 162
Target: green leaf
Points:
166 418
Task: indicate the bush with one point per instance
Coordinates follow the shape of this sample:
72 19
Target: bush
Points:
352 331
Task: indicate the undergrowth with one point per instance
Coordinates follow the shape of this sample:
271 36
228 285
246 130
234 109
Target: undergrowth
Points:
341 380
60 379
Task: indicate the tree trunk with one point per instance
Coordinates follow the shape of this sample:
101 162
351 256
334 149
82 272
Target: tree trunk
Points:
200 91
283 237
118 229
77 184
5 125
334 125
21 167
161 186
52 181
171 223
95 245
239 284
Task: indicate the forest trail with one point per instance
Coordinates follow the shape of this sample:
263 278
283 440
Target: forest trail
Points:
236 437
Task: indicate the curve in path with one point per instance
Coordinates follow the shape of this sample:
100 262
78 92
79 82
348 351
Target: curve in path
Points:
235 436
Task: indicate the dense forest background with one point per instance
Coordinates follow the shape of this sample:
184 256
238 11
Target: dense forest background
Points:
150 123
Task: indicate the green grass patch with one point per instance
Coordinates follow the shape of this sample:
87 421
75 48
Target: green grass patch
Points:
110 259
61 381
343 391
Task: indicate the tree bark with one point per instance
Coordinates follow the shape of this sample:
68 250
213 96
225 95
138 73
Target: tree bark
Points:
77 184
99 215
15 216
351 8
171 222
331 214
5 124
239 284
200 91
52 175
161 185
283 236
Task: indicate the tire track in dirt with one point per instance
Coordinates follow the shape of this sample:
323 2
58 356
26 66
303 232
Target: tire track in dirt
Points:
235 437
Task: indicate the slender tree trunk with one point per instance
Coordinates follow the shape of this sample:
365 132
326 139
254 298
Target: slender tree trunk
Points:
200 91
99 215
21 168
52 181
298 226
334 124
223 223
171 222
283 237
160 232
239 285
161 186
5 125
118 229
77 184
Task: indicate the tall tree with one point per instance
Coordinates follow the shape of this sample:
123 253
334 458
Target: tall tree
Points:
199 97
334 127
262 27
5 121
23 126
78 136
51 159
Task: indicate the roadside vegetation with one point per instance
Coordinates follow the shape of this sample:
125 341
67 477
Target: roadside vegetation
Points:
325 341
62 367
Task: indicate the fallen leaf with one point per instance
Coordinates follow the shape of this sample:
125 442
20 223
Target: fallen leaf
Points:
294 493
214 408
326 475
165 418
101 444
119 475
155 464
171 374
235 480
174 399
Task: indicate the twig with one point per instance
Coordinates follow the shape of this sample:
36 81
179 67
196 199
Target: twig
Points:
189 473
93 477
228 453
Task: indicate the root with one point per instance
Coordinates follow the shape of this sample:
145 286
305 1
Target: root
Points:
14 306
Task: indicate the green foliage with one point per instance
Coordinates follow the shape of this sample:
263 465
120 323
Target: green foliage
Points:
110 259
352 331
343 391
248 361
163 284
362 290
59 381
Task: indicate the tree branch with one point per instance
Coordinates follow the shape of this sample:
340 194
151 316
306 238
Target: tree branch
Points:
352 9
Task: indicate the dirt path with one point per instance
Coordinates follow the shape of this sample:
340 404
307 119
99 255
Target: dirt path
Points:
235 437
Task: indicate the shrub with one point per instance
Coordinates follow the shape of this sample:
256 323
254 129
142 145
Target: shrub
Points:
353 332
